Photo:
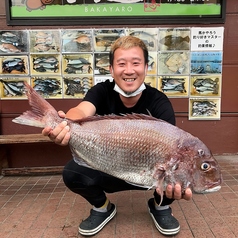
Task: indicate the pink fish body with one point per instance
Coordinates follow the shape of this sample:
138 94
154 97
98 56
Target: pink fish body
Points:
6 47
137 148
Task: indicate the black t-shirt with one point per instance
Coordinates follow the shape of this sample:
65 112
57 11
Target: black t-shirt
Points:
152 101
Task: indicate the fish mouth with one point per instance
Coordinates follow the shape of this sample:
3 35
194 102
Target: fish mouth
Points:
214 187
211 190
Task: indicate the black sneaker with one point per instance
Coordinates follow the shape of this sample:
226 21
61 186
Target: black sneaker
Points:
164 220
96 221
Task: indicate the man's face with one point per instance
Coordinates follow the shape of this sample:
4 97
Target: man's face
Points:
129 69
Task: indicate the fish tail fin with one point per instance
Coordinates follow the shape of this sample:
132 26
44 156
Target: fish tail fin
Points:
30 119
187 38
40 111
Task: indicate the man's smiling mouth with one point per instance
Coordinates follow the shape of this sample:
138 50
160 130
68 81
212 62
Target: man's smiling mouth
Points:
129 80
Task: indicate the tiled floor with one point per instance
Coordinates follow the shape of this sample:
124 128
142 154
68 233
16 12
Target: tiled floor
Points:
42 207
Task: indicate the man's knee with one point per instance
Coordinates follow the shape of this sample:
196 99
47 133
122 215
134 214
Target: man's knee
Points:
68 178
80 177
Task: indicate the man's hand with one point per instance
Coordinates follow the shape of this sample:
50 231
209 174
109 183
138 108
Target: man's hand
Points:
176 193
60 134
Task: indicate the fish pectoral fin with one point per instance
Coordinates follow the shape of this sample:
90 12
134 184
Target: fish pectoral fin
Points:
159 176
160 189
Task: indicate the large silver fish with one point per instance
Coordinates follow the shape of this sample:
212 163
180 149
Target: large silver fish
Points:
137 148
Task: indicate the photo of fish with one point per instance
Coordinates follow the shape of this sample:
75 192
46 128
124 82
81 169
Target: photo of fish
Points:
205 86
204 109
206 62
44 41
176 86
77 64
174 39
148 35
13 88
101 62
77 87
104 38
48 87
173 62
13 42
74 41
14 65
45 64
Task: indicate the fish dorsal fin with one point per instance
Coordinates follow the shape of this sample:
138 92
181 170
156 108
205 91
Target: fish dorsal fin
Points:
133 116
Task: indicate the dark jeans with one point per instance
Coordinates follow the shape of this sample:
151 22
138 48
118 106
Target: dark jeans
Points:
93 184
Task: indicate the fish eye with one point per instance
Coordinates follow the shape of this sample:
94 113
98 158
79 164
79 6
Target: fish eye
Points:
205 166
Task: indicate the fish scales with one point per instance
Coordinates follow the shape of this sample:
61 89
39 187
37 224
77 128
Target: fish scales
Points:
113 140
137 148
107 135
